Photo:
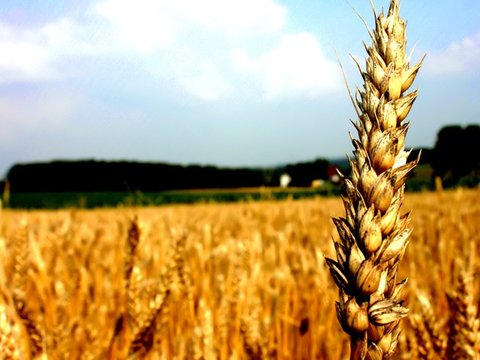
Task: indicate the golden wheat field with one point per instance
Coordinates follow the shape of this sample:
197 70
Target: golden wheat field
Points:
222 281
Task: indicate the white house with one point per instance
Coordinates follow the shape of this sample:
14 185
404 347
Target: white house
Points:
285 180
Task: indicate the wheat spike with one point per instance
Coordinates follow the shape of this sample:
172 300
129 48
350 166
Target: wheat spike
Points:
254 341
143 334
203 340
20 266
373 234
132 280
143 331
8 344
425 346
132 242
433 325
464 323
21 252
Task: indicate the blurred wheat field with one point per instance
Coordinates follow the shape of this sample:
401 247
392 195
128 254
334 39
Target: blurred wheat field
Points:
226 281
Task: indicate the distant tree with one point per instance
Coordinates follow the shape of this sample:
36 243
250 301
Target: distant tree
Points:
447 149
457 152
426 155
4 193
472 147
304 173
124 176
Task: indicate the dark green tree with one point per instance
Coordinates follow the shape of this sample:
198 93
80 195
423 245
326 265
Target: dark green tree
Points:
457 152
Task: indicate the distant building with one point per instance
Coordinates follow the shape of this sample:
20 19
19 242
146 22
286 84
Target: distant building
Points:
333 175
317 183
285 180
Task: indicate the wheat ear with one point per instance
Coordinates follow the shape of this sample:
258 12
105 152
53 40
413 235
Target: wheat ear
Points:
464 324
429 328
131 296
19 285
133 239
9 348
373 234
143 331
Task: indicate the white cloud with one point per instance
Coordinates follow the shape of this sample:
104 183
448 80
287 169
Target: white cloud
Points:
204 81
24 56
188 41
460 57
232 17
151 25
183 43
168 31
66 37
34 54
145 25
153 31
295 67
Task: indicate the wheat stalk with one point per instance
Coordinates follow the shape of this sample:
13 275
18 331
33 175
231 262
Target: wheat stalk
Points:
373 234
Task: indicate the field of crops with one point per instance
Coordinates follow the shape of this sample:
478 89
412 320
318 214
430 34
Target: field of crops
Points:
58 200
221 281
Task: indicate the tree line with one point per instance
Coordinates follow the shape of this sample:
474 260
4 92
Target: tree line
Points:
455 159
91 175
457 153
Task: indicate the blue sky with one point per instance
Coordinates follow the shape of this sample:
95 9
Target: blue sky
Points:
230 83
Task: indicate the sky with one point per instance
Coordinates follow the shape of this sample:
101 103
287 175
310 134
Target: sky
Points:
221 82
